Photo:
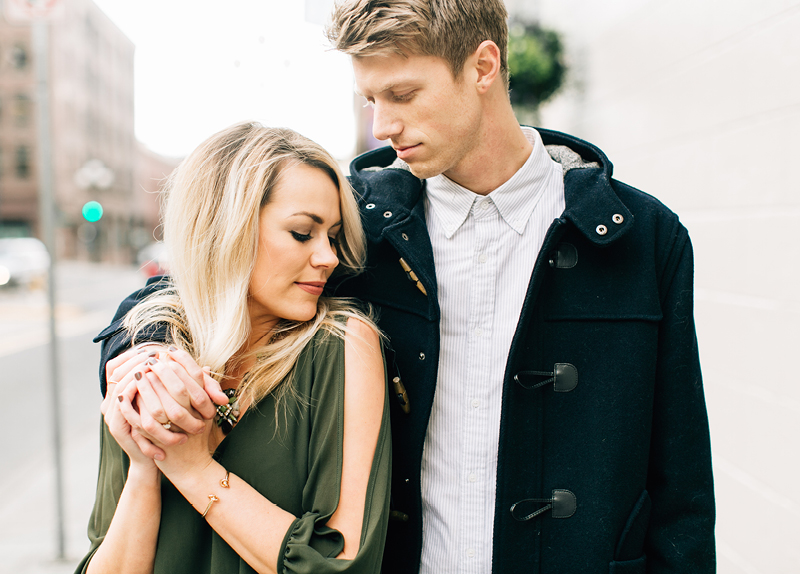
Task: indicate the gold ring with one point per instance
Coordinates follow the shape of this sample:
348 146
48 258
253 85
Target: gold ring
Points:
109 382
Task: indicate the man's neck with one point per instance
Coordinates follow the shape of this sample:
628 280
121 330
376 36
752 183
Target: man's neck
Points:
501 152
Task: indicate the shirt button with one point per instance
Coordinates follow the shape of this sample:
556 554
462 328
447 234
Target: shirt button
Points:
478 331
475 403
485 205
470 553
482 258
472 478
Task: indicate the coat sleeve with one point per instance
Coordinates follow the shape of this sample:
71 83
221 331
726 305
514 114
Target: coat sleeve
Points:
680 537
111 478
115 339
310 546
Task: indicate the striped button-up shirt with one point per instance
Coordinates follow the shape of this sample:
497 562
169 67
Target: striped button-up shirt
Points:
484 249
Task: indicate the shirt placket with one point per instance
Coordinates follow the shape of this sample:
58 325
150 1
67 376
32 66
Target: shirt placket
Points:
474 475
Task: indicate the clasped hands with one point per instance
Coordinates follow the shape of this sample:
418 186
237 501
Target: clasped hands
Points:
159 406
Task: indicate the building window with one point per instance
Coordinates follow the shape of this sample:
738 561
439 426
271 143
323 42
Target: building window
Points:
18 56
23 165
21 110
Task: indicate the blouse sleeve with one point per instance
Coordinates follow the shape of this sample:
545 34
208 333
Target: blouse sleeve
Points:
111 478
310 546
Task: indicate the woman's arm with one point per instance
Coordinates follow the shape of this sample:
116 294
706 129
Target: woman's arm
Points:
252 525
129 544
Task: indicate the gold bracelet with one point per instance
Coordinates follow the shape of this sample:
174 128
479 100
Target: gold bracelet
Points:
211 500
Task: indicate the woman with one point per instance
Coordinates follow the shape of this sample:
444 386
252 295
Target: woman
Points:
292 472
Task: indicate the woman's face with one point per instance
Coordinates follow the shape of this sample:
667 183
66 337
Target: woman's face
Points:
297 246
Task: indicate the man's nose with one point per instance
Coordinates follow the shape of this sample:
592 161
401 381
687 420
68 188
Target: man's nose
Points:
385 122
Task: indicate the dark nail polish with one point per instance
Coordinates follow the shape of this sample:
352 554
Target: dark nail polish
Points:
152 361
152 354
137 376
172 348
119 398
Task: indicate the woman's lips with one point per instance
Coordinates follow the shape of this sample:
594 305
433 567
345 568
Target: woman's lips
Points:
314 288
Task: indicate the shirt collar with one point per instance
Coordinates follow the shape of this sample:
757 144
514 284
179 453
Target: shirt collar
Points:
515 199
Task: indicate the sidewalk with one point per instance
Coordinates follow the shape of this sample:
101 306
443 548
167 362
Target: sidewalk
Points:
87 296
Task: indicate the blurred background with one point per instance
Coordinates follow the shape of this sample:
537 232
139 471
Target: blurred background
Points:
677 93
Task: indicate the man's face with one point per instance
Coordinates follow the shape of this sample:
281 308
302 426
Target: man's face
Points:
432 120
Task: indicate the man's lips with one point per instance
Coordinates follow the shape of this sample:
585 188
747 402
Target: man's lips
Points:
404 152
314 288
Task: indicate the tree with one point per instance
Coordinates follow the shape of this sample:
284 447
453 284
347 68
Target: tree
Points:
536 66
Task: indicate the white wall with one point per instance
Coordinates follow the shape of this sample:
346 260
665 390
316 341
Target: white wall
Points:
698 103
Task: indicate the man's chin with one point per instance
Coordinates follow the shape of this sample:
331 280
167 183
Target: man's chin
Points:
422 170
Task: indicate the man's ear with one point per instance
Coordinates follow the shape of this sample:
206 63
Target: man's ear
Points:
487 65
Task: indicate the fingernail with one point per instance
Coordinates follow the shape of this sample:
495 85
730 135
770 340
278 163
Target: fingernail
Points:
172 348
152 361
159 457
152 354
119 398
183 440
137 376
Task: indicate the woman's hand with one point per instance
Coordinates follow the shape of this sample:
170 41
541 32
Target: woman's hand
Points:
125 434
178 399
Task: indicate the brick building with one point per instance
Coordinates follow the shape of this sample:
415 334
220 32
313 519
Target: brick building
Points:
92 114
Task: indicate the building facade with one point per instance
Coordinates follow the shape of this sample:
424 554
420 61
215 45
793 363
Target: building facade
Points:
92 114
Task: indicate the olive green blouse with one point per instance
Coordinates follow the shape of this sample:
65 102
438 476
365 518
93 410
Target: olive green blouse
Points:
297 465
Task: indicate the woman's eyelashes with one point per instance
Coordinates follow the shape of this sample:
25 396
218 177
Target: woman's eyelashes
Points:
303 238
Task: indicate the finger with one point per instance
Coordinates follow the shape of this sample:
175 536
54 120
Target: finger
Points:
115 362
169 384
151 401
207 387
147 447
132 361
213 388
154 430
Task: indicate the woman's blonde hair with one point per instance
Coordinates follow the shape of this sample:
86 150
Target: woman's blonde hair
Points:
211 209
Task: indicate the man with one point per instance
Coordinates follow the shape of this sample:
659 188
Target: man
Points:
550 413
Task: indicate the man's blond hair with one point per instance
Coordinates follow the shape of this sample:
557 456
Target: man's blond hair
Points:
449 29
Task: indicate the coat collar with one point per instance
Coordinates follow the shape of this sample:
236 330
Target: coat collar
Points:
390 192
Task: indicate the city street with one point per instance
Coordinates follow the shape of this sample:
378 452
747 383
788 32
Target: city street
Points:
87 297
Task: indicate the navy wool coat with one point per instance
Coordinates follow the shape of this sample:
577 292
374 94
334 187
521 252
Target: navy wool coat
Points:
604 459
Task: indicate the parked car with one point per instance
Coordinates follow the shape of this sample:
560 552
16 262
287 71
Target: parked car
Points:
153 259
23 262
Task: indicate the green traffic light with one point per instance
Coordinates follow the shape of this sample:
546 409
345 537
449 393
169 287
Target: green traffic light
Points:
92 211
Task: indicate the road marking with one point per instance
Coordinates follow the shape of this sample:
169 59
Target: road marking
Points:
87 324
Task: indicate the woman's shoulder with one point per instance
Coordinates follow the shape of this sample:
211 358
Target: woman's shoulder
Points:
323 358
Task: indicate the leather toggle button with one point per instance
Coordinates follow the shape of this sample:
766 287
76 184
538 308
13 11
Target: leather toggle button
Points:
412 276
565 256
402 395
564 377
563 504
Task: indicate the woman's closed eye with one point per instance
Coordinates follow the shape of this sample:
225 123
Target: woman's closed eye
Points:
302 238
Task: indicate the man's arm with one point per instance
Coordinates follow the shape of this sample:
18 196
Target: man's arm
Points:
680 537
